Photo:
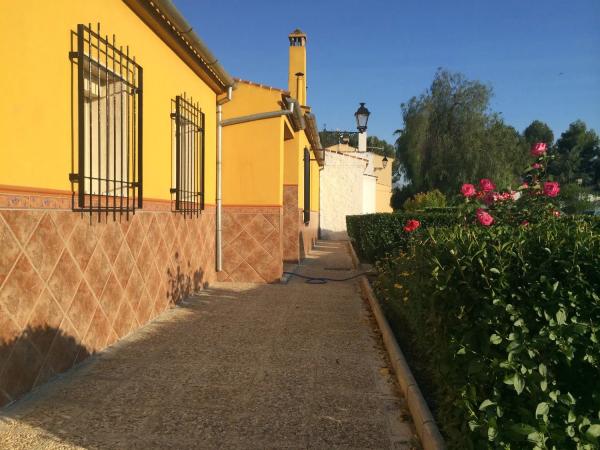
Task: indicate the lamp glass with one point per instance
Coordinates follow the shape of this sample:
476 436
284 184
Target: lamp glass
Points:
362 117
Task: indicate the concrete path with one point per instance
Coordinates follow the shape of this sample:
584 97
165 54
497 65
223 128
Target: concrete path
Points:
238 366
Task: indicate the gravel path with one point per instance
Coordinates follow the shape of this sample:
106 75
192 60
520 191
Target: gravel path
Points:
237 366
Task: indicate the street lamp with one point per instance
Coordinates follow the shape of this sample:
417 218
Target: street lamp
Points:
384 161
362 117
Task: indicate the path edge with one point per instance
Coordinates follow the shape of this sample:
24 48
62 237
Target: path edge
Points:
425 424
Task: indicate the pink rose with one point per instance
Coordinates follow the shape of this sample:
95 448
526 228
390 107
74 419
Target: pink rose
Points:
484 217
490 198
556 213
468 190
486 185
536 166
538 149
411 225
524 223
551 188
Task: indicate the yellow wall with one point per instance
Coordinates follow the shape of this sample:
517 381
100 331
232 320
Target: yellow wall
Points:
383 191
314 185
253 152
35 111
290 169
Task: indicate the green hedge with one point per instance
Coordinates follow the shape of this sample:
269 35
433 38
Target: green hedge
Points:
375 235
503 325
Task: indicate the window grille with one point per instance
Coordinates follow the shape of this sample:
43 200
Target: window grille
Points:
187 156
108 122
306 185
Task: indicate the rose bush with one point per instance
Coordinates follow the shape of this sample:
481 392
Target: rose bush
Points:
498 309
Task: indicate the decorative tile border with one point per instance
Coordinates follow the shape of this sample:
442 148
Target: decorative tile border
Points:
16 197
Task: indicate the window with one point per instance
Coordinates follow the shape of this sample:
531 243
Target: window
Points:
306 186
108 123
187 156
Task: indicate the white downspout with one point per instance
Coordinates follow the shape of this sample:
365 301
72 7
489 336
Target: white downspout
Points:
219 212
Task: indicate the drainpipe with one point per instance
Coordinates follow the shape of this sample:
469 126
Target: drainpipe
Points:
258 116
218 244
220 124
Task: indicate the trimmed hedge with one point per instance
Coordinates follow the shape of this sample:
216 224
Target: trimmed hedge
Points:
504 324
376 235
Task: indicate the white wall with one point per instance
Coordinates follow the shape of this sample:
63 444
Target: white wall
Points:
341 192
369 194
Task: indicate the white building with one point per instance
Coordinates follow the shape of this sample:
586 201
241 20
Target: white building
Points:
352 182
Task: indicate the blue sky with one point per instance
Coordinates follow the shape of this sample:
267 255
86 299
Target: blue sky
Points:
542 57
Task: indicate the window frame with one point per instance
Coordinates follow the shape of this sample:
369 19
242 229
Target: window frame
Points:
187 156
97 60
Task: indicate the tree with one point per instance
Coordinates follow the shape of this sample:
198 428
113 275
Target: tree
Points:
577 154
538 131
450 136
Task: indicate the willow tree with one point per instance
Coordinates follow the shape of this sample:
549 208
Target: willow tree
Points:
451 136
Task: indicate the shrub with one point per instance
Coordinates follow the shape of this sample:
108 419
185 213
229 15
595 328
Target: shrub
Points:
505 322
375 235
422 200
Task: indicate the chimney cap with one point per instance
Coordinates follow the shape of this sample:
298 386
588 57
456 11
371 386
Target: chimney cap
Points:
297 33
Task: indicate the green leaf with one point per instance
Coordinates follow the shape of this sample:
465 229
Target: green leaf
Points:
494 270
542 409
495 339
492 433
543 370
561 317
485 404
593 432
518 383
522 429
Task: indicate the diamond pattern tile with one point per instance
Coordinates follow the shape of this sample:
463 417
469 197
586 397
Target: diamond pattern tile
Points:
69 288
252 250
21 290
97 271
22 223
45 246
82 309
111 240
64 281
83 243
290 241
10 251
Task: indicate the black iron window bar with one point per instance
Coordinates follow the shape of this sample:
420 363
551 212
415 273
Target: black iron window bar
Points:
109 125
306 186
187 175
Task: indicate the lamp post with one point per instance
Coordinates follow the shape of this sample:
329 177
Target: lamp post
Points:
362 117
384 161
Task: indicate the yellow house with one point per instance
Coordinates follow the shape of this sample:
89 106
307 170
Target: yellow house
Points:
271 161
383 193
108 176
